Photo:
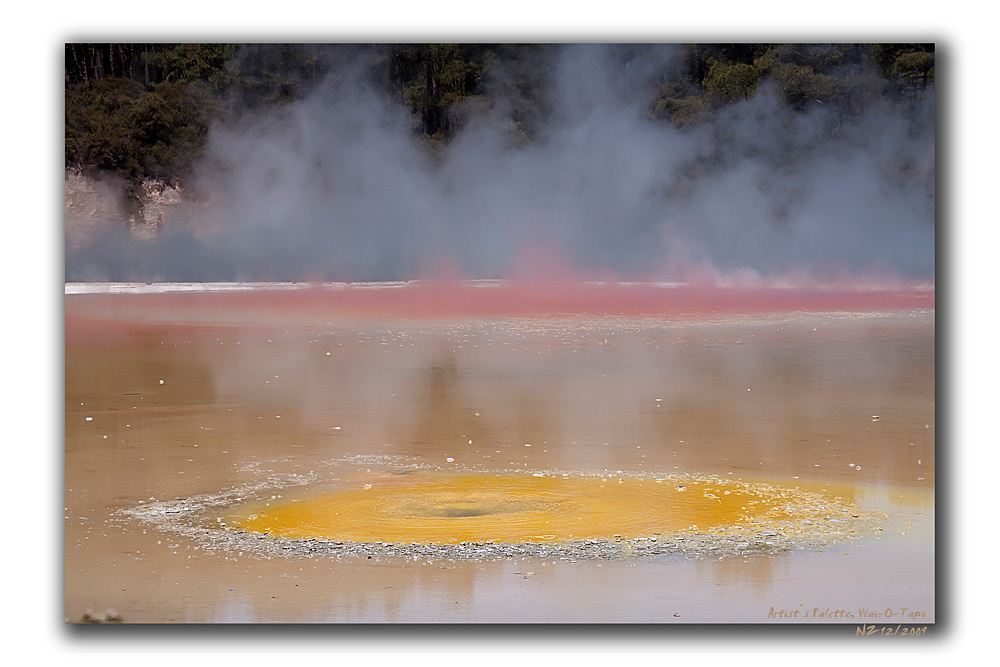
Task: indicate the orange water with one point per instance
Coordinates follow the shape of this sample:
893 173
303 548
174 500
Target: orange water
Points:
170 399
447 509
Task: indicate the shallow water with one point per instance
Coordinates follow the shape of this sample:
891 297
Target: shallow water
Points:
167 403
451 509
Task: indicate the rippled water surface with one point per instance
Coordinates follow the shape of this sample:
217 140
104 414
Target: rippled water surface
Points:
450 509
508 427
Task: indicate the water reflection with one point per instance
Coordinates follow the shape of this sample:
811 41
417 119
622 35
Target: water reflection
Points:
761 400
505 395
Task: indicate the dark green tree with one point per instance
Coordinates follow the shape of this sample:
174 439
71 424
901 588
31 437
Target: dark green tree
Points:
439 77
729 82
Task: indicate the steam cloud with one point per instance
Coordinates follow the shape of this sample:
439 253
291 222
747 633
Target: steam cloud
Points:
335 187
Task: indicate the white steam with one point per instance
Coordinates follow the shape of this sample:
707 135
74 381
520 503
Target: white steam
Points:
336 187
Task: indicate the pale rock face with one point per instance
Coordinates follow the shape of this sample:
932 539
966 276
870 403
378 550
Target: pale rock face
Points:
92 204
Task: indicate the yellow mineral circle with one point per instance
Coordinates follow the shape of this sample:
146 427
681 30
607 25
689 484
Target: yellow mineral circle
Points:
437 508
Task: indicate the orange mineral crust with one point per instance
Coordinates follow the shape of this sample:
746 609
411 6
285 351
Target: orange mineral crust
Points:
483 508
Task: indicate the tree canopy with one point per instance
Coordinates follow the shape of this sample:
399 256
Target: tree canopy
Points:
143 110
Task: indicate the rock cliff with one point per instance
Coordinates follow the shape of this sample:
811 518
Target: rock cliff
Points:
95 202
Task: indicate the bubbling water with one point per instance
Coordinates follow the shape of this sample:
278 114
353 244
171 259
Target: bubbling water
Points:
437 508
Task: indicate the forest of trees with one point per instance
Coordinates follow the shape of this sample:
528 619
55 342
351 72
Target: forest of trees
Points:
143 110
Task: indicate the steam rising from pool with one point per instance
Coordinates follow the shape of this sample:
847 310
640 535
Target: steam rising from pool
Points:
335 187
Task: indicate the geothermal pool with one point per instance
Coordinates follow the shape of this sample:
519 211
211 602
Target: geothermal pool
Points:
499 453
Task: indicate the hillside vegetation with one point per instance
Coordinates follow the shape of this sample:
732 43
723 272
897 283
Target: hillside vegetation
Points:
143 111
